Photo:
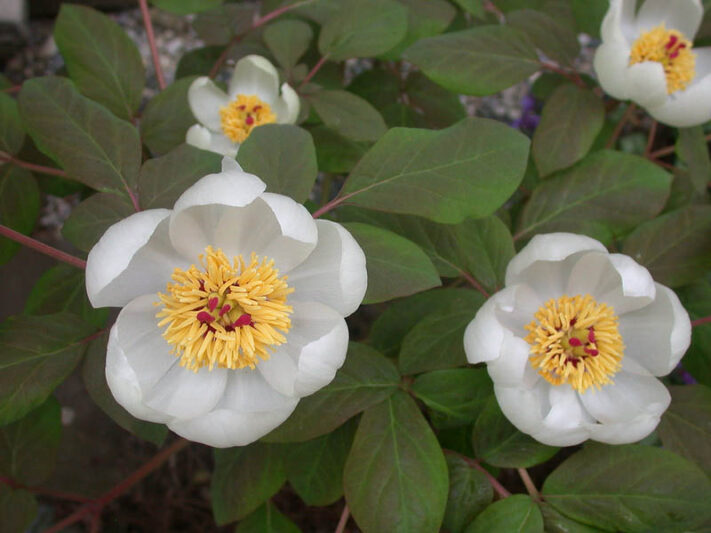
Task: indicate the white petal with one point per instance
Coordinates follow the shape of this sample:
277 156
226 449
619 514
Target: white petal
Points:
703 62
134 257
682 15
509 369
485 335
255 75
658 335
524 408
624 432
567 423
206 100
611 62
618 24
287 106
688 108
647 84
200 137
334 273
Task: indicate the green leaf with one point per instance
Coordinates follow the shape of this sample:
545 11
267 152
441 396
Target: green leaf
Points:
439 107
455 396
198 62
90 143
167 117
515 513
396 266
267 519
469 494
348 114
18 508
163 179
425 19
362 28
604 196
219 25
245 477
692 148
395 477
93 374
571 121
366 378
588 16
380 87
315 468
19 206
36 354
288 40
185 7
554 522
91 218
696 298
28 447
12 133
630 488
334 152
284 157
479 61
555 40
475 7
101 59
468 169
499 443
675 247
685 428
63 288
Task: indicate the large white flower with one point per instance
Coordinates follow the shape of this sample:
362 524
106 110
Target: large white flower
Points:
252 100
214 339
647 57
574 340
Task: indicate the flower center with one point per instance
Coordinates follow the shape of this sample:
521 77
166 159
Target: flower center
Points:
576 341
242 115
225 315
672 50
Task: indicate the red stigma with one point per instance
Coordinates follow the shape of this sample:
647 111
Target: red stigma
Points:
591 335
574 341
243 320
256 108
212 303
204 316
249 120
242 107
590 351
225 309
573 321
672 41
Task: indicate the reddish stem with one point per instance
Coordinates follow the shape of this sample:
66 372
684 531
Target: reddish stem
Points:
700 321
314 70
498 487
44 492
612 141
650 139
31 166
13 89
341 527
152 43
572 76
42 247
670 149
530 486
331 205
474 283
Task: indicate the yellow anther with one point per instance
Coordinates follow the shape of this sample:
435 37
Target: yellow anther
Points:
242 115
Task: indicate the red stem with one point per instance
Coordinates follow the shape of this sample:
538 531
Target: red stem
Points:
152 43
331 205
621 125
42 247
341 527
498 487
44 492
474 283
650 139
699 321
31 166
13 89
314 70
670 150
572 76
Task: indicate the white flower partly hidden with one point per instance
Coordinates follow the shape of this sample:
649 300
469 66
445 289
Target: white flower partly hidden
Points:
574 340
213 339
252 100
647 57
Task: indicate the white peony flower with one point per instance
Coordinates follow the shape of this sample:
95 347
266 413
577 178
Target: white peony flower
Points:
252 100
574 340
647 57
233 307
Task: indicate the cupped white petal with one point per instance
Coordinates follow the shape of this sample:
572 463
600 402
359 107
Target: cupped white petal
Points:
206 100
682 15
334 273
200 137
610 62
687 108
658 335
512 368
287 106
255 75
566 423
485 335
133 257
525 408
619 22
647 84
624 432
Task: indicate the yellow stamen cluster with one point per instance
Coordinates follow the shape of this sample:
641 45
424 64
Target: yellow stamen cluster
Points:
575 341
670 48
225 315
242 115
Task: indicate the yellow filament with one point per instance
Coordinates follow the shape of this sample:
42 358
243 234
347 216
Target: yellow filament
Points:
242 115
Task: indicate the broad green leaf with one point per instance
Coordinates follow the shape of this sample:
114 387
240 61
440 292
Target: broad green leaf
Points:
19 206
395 477
315 468
101 59
499 443
28 447
93 374
604 196
588 16
630 488
399 115
221 24
284 157
163 179
475 7
439 107
266 519
396 266
366 378
348 114
185 7
469 494
334 152
90 143
467 170
692 147
167 117
12 132
36 354
380 87
685 428
515 513
571 120
555 522
18 508
198 62
288 40
91 218
696 298
479 61
244 478
425 19
675 247
63 288
555 40
362 28
455 396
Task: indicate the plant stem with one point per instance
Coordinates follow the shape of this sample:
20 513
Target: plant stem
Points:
530 486
152 43
13 89
42 247
498 487
572 76
474 283
700 321
671 149
331 205
620 125
44 492
340 528
650 139
313 71
31 166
